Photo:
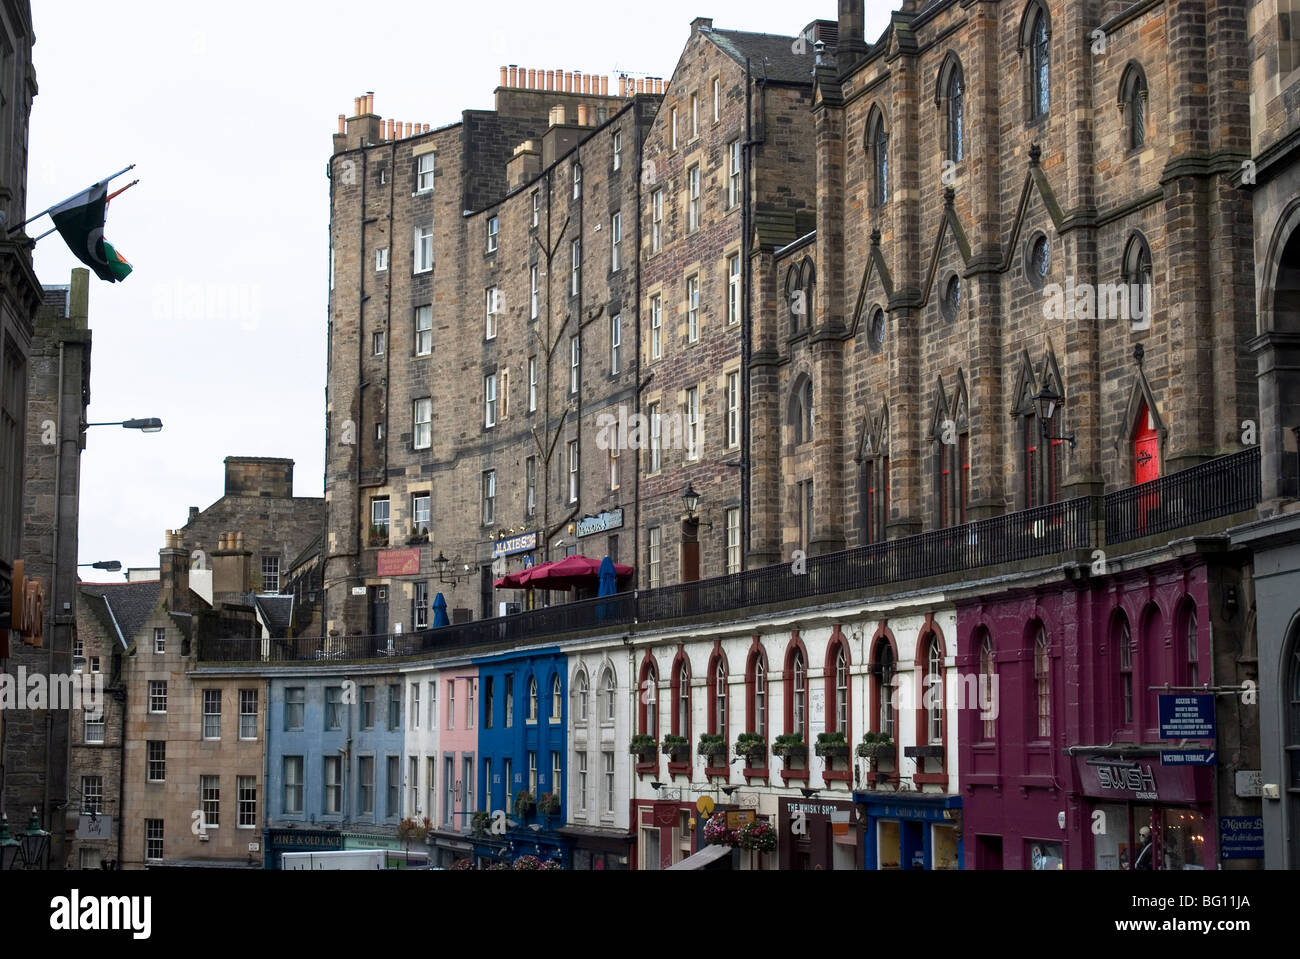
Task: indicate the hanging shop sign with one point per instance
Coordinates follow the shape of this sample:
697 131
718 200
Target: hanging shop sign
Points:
1185 716
524 543
610 519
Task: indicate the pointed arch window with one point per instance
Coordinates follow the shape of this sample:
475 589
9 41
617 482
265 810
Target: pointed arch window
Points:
801 411
837 686
1035 46
988 687
878 150
875 483
1133 105
1043 683
798 693
611 691
681 693
532 699
1192 652
1137 277
955 95
718 696
1124 669
580 694
649 700
934 691
557 699
882 681
758 695
952 460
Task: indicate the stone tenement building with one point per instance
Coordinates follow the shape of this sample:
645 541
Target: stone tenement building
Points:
1272 176
259 504
483 313
730 179
36 741
972 163
20 299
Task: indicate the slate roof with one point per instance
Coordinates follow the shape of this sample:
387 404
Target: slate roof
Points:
277 611
310 551
130 604
783 64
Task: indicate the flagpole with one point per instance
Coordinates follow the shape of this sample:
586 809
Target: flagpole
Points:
15 229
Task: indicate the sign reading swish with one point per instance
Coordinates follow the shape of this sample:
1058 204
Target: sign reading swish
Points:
1139 780
399 562
524 543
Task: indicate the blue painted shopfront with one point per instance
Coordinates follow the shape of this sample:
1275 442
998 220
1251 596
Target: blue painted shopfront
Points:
523 747
911 832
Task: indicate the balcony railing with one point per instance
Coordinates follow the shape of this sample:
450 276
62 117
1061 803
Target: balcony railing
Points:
1217 488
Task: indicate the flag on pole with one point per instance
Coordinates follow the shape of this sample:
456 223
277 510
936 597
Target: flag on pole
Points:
80 221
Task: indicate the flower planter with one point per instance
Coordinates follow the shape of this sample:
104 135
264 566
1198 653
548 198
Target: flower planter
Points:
833 752
788 753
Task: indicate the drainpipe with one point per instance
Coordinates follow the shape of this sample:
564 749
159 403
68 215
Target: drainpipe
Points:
631 767
266 771
54 604
121 764
746 329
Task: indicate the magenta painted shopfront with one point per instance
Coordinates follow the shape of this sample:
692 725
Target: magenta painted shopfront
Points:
1067 772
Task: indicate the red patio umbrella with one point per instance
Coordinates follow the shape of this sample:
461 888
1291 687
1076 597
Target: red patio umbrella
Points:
575 570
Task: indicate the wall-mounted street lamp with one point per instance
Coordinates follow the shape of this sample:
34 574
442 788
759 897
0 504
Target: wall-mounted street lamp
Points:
1046 402
111 565
447 567
30 851
150 425
11 850
691 500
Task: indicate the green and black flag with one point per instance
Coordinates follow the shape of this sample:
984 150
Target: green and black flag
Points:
80 221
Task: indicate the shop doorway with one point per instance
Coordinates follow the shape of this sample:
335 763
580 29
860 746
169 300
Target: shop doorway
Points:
988 852
378 610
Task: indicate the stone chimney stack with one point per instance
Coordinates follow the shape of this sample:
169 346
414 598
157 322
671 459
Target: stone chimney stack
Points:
852 45
231 565
174 572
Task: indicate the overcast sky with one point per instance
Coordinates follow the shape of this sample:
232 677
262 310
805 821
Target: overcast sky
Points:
227 112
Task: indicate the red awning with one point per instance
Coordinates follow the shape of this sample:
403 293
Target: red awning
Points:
562 574
510 580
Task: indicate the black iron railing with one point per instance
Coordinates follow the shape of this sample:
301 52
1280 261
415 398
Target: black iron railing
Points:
1219 487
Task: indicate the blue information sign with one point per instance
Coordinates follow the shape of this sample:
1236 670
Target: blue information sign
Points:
1188 757
1241 837
1186 716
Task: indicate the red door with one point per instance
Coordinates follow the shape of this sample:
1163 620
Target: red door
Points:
1146 463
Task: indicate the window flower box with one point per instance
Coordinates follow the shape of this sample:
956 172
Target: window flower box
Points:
752 747
832 746
676 748
713 748
524 802
790 746
644 747
876 746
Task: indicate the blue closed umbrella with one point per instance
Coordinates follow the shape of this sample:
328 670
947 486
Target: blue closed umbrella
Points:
440 612
608 586
608 578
